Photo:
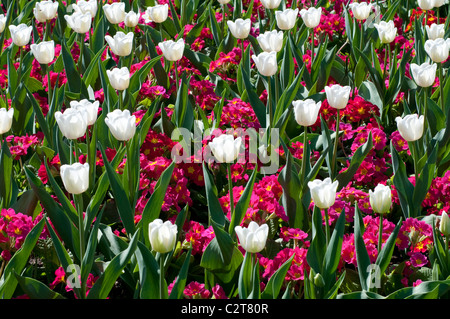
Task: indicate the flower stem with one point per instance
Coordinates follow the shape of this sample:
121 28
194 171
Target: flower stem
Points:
269 101
415 159
327 226
80 58
177 84
336 141
121 100
380 233
441 86
305 141
161 276
230 189
130 173
50 94
425 110
78 198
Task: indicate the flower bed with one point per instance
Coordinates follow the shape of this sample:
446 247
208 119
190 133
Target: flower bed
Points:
239 149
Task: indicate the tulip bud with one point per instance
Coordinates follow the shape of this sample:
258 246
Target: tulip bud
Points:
225 148
131 19
435 31
20 34
72 123
410 127
271 41
266 63
91 109
75 177
337 96
437 49
115 12
444 225
172 51
2 22
239 28
425 74
271 4
44 51
319 281
323 193
286 19
6 118
119 78
121 44
361 11
380 199
426 4
386 31
306 112
163 236
83 6
79 22
252 238
45 10
311 16
122 124
157 14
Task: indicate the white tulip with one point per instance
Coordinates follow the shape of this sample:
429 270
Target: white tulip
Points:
306 112
311 16
425 74
410 127
172 51
75 177
44 51
131 19
119 78
225 148
72 123
380 199
386 31
435 31
437 49
361 11
45 10
266 63
223 1
323 193
271 4
157 14
79 22
240 28
91 108
121 44
444 225
439 3
2 22
115 12
338 96
163 236
286 19
20 34
6 118
271 40
426 4
83 6
252 238
122 124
